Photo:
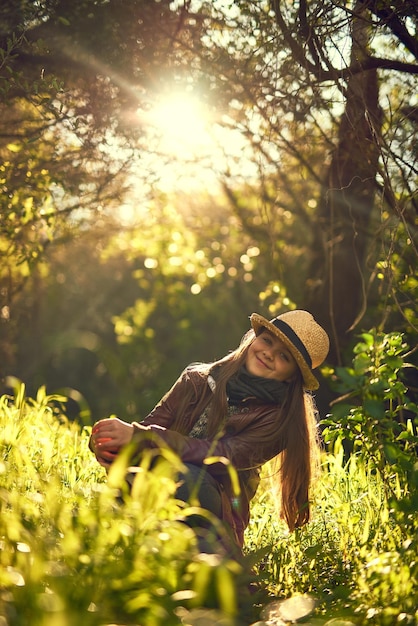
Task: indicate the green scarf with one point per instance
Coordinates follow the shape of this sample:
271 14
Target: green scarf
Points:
243 386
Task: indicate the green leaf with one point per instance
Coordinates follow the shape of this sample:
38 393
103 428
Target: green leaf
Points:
374 408
362 363
391 452
339 411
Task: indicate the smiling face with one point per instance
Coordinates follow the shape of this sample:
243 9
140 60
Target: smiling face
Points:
269 357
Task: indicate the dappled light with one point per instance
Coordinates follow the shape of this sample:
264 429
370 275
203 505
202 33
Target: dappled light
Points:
69 546
166 169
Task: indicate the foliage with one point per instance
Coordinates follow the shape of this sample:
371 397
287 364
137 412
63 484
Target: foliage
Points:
359 555
355 558
310 202
75 75
71 553
146 316
316 95
383 427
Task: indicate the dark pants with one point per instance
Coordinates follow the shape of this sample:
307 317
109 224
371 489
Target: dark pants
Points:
198 488
198 484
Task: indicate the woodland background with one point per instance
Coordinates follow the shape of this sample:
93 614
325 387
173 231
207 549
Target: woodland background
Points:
121 261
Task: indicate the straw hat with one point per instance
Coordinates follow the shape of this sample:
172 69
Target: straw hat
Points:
305 338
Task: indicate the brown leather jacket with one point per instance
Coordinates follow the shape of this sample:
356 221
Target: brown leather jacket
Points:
242 443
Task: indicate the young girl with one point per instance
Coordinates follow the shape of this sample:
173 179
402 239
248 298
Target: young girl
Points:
245 409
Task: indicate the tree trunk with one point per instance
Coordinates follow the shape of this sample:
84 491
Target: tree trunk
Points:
335 292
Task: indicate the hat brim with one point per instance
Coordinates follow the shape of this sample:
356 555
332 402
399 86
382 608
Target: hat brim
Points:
259 323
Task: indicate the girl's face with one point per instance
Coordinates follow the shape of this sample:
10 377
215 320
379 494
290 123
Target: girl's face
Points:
269 357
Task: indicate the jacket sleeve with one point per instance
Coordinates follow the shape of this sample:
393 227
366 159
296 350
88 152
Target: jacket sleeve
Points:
165 411
244 448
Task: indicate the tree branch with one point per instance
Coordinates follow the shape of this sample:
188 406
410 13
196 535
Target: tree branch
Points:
398 28
334 74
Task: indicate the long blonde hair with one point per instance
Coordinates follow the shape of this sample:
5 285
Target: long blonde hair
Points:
298 464
295 425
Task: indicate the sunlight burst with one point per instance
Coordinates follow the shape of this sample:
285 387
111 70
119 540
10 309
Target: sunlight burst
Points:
186 146
182 124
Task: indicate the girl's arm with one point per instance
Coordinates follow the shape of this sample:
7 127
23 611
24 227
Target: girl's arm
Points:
244 445
111 434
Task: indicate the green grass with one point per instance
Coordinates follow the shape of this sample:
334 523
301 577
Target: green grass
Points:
357 558
71 555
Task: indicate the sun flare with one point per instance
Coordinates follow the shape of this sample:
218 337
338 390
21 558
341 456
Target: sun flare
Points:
186 146
182 124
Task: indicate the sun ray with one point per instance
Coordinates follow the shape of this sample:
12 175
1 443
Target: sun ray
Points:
182 124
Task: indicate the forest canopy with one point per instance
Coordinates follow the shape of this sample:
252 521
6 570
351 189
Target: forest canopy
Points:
169 167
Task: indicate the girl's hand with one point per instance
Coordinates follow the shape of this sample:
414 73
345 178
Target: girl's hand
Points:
108 437
105 458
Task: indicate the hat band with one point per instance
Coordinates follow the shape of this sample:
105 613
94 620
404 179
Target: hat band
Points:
292 336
